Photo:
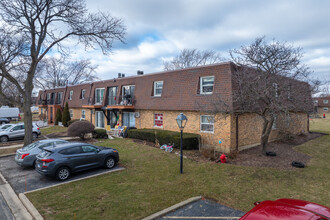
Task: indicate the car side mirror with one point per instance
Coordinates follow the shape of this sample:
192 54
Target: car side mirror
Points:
98 150
11 130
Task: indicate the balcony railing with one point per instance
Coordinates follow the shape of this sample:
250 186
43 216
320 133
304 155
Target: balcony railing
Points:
126 101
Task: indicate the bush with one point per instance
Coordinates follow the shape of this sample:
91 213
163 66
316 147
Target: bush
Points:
58 117
72 121
80 128
100 133
190 141
66 115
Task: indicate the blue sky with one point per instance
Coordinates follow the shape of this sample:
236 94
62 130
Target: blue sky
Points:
158 30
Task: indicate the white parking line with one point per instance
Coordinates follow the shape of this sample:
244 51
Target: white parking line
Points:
199 217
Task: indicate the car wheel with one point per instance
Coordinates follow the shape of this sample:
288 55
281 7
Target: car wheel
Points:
34 135
63 173
110 162
4 139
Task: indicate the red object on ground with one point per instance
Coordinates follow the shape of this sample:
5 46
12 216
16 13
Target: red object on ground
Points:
223 158
323 115
287 209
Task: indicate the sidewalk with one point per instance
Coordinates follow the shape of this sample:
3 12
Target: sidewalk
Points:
11 206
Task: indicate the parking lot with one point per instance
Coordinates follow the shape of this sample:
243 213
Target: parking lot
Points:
204 209
27 179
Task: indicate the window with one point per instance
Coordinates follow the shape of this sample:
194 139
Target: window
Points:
274 126
48 97
158 120
207 123
275 85
88 149
316 101
59 97
158 88
99 119
72 150
99 93
83 114
206 84
325 109
128 95
129 119
325 101
82 95
71 113
112 95
70 95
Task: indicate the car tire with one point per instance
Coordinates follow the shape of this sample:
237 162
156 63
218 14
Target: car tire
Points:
298 164
34 135
109 162
63 173
4 139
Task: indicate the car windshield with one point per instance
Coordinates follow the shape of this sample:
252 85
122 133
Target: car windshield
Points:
8 128
5 127
30 146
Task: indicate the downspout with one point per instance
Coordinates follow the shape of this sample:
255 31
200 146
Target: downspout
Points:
236 116
88 102
66 88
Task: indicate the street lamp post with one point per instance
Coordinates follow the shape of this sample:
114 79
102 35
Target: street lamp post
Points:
182 121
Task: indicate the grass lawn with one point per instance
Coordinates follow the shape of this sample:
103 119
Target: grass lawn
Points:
53 129
152 182
8 151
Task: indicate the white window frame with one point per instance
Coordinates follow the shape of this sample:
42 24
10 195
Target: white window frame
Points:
97 119
71 113
275 85
154 115
155 88
83 114
58 95
101 100
83 91
201 84
70 94
130 116
200 120
325 109
325 101
274 126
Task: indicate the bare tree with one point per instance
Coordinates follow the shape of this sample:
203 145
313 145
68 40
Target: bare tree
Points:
30 29
56 72
270 81
191 58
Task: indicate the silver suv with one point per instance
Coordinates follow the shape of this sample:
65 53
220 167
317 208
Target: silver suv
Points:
17 131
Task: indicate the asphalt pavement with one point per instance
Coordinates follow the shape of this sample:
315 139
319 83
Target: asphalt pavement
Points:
27 179
203 209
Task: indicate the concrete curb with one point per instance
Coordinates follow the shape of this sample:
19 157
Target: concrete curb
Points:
172 208
7 155
13 146
30 207
14 203
87 177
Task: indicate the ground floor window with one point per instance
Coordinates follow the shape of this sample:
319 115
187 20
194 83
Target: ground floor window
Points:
99 119
207 123
71 113
129 119
83 114
158 120
325 109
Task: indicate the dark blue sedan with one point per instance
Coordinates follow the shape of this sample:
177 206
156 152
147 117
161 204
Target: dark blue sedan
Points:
74 157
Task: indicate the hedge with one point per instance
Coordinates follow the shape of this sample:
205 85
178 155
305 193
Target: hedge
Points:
100 133
72 121
190 141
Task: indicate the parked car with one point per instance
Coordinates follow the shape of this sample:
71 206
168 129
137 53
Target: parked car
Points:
4 121
26 156
17 131
69 158
287 209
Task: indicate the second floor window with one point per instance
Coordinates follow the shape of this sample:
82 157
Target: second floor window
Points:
325 101
70 95
206 84
48 97
82 96
59 97
99 93
158 88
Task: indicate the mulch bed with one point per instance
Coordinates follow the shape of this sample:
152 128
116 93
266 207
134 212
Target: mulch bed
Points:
285 153
253 157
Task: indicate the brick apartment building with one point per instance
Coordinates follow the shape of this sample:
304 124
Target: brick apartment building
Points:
322 104
155 100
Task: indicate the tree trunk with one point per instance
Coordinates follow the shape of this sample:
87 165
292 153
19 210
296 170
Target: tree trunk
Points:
27 111
267 128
